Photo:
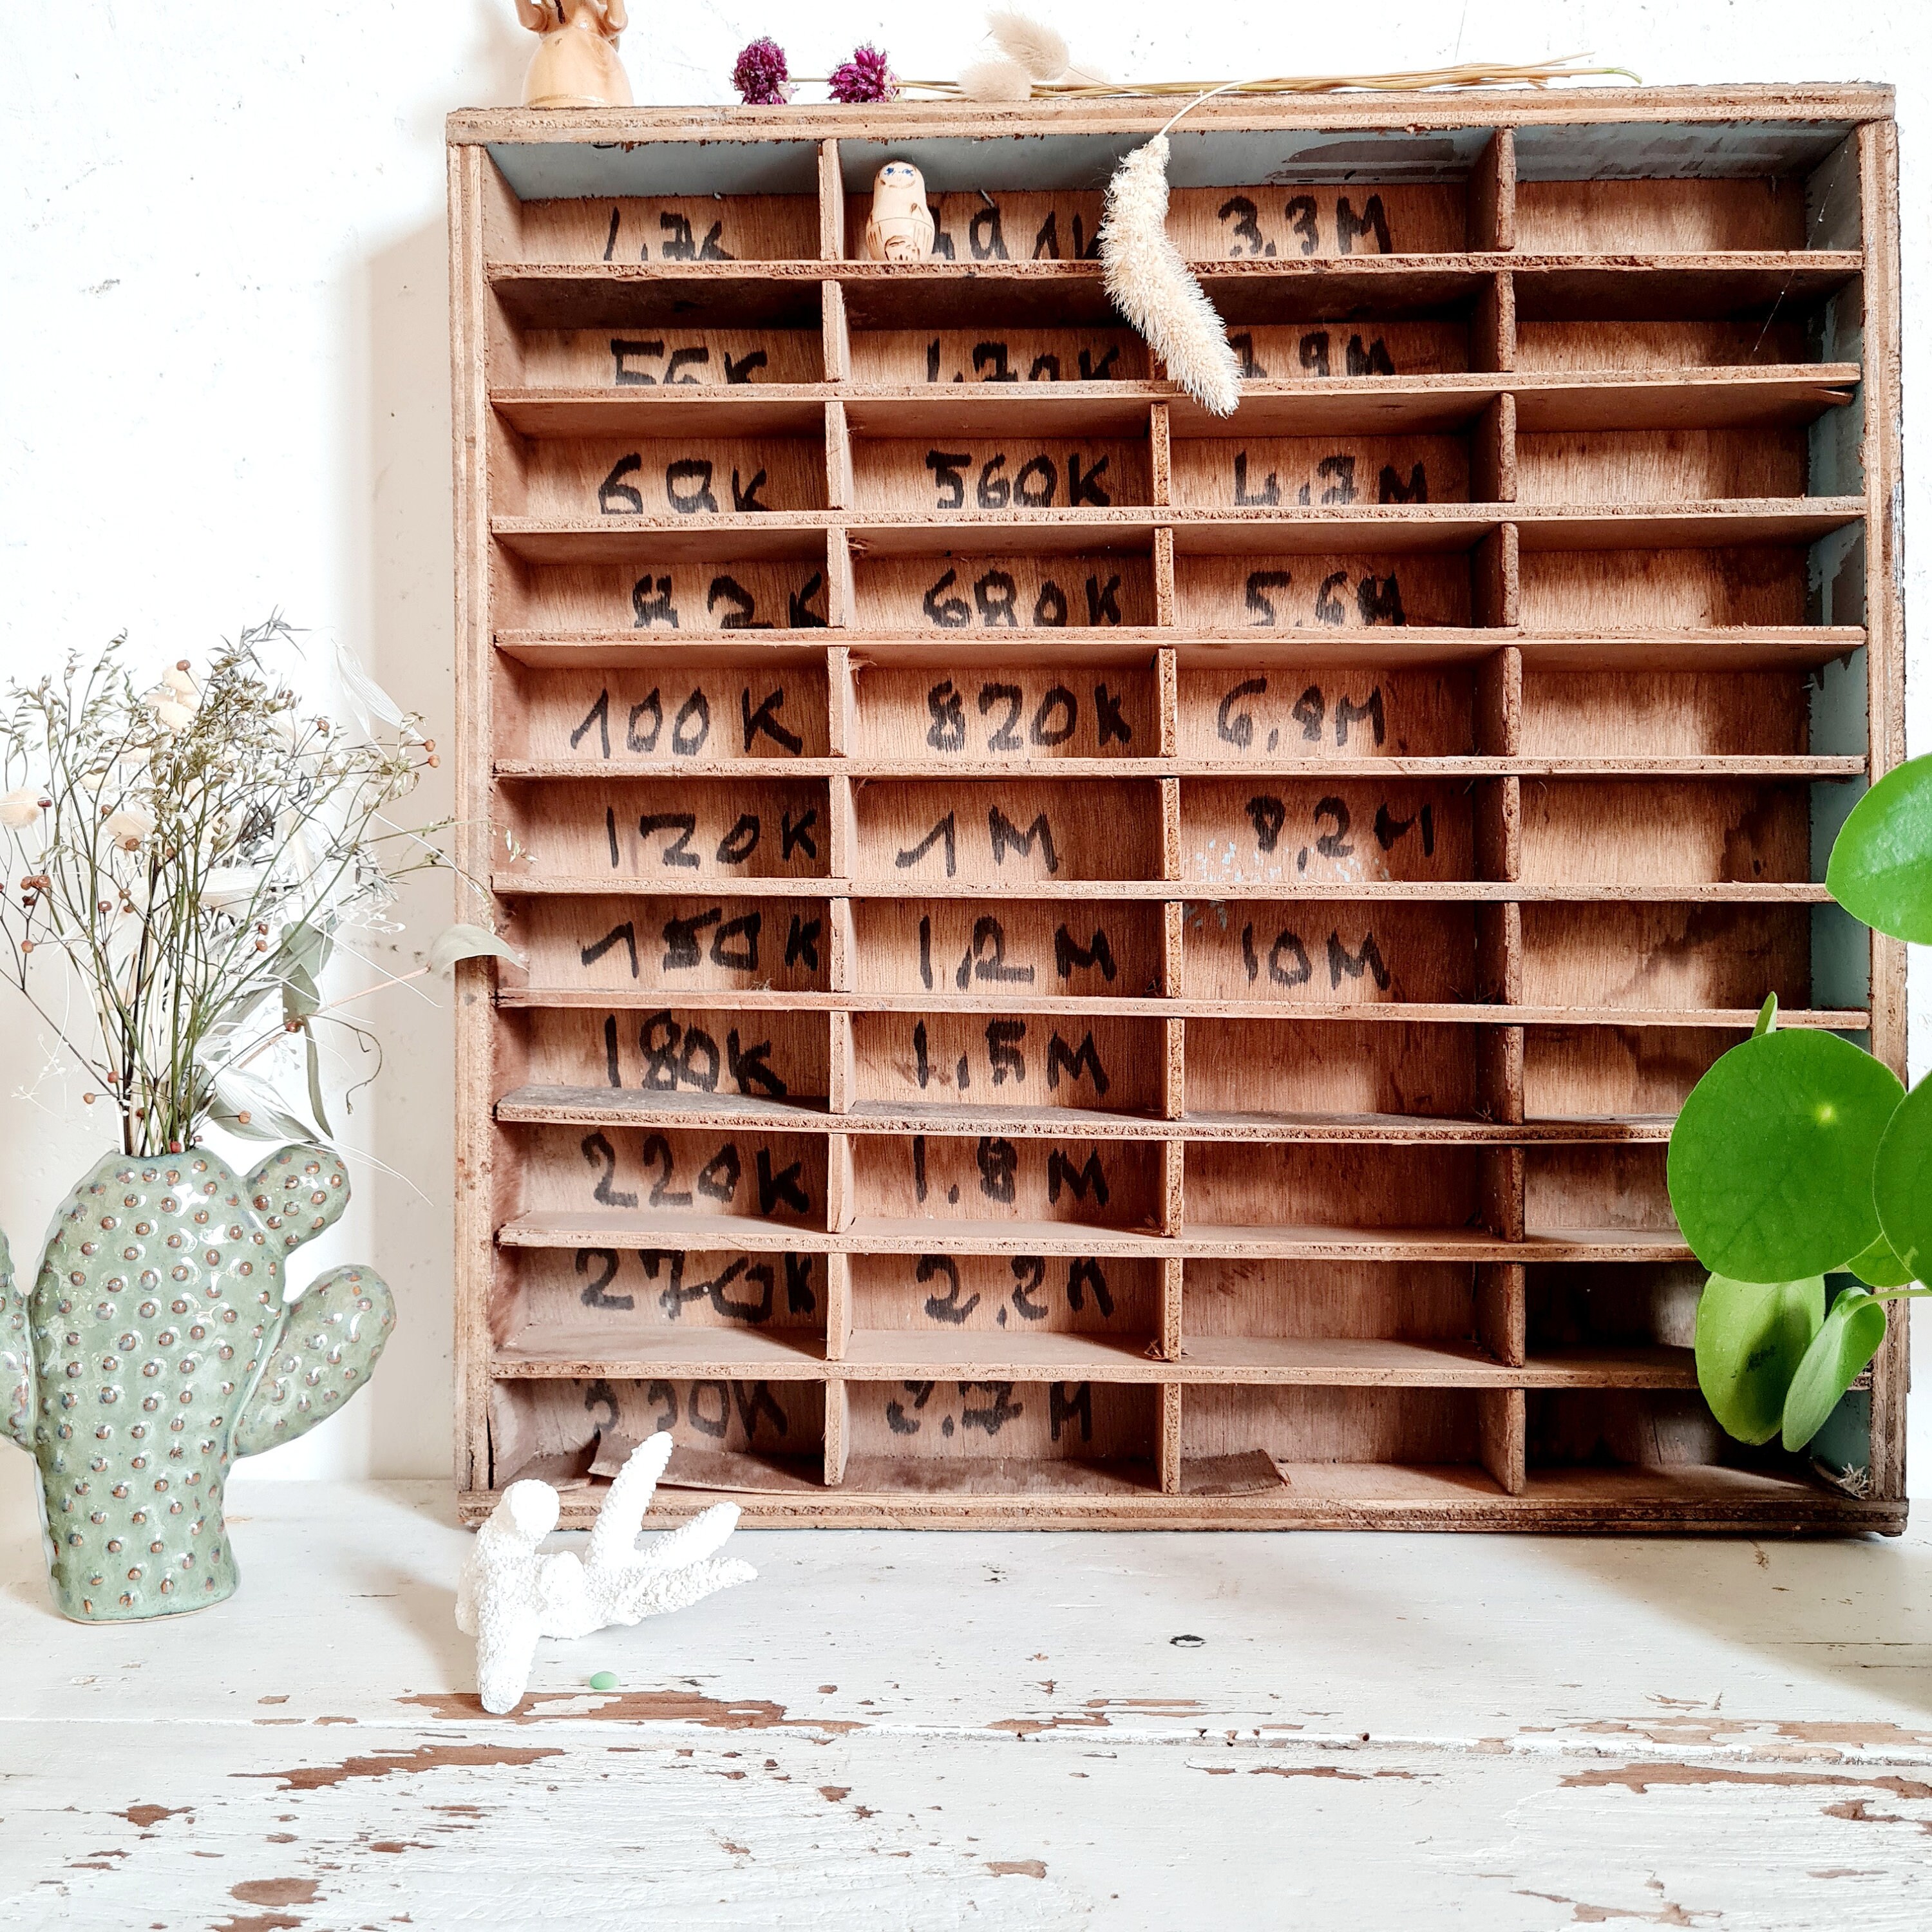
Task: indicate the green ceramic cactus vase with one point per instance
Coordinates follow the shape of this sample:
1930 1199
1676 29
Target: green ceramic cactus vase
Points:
158 1345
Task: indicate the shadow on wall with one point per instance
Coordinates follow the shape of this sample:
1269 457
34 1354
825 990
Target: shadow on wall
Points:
500 50
393 592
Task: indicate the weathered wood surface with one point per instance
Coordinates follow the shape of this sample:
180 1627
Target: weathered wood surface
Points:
893 1730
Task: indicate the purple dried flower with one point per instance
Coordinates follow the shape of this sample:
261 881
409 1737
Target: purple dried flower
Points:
761 76
865 77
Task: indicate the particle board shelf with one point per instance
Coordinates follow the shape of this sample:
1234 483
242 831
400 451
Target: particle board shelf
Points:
1784 396
634 1229
1468 891
1740 647
1024 883
900 1354
1814 770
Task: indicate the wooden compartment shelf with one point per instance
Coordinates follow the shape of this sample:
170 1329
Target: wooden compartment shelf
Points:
1086 964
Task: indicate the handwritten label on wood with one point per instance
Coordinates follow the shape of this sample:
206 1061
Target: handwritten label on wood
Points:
1276 221
1006 592
1055 1294
673 835
780 1176
671 601
1290 831
708 713
677 945
1205 224
1329 591
918 833
1081 948
685 1051
1333 473
1010 1421
693 477
994 355
691 228
1338 953
637 1293
1346 349
1009 1060
1093 1183
1009 712
1013 474
769 1418
1323 712
667 355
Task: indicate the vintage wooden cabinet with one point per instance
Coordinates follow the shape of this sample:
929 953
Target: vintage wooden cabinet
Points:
1092 965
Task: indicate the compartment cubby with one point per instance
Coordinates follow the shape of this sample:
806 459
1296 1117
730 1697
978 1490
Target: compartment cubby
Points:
944 1436
1083 963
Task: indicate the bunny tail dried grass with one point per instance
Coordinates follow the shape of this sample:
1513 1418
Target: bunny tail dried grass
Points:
1037 48
995 80
1151 286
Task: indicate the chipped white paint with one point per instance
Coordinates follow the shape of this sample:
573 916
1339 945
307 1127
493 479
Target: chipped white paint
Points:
936 1730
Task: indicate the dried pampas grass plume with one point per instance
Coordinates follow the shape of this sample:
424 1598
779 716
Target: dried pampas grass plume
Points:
996 80
1151 286
1035 46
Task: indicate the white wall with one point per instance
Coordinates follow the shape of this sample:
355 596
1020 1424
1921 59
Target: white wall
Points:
226 392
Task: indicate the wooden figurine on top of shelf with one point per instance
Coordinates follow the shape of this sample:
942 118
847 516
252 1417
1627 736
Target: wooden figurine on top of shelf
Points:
900 228
576 63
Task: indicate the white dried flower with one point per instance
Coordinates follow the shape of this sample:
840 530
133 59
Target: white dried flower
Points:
228 887
169 712
20 808
130 828
180 681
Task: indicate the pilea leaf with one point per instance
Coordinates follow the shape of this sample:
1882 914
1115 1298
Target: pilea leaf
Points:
1878 1266
1881 865
1850 1338
1751 1336
1902 1185
1771 1161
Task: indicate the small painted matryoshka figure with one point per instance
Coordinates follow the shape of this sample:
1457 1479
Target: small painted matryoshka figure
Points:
576 64
900 228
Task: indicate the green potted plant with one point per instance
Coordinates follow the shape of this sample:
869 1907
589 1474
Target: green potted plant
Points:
180 865
1799 1157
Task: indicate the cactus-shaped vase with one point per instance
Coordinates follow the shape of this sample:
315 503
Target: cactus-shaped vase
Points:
159 1344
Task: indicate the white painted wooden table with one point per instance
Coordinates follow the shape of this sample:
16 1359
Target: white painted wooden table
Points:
930 1730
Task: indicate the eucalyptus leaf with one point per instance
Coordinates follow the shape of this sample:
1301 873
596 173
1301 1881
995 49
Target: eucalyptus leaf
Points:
1751 1336
300 996
1902 1184
1881 865
1878 1266
305 946
1853 1331
469 942
1771 1161
316 1106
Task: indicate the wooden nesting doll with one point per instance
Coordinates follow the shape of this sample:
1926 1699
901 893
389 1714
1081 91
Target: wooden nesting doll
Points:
900 228
576 63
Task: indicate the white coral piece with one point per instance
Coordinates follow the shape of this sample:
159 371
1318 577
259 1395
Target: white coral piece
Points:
509 1597
1151 285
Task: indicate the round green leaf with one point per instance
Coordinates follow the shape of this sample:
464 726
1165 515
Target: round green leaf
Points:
1835 1360
1879 1267
1881 865
1771 1161
1902 1184
1751 1335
